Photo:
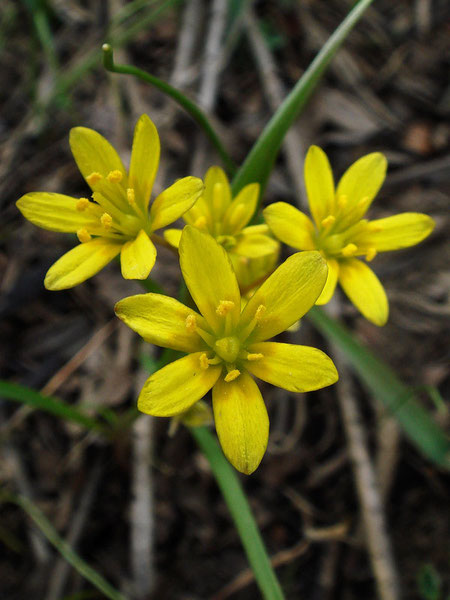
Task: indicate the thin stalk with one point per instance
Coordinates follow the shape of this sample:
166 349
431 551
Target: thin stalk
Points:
241 514
190 107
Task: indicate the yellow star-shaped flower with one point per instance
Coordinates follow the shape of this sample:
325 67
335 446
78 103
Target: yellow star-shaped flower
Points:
252 249
117 219
341 232
226 346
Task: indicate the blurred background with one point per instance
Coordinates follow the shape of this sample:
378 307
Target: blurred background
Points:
143 509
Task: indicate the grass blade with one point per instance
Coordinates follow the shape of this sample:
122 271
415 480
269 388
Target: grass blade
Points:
54 406
384 384
63 547
259 162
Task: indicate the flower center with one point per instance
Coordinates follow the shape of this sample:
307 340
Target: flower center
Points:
228 348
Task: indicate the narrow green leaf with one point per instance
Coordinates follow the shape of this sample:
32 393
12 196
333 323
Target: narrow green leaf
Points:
259 162
54 406
189 106
239 508
384 384
63 547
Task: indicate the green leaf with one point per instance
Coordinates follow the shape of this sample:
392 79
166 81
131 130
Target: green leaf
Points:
62 546
54 406
429 583
259 162
244 521
384 384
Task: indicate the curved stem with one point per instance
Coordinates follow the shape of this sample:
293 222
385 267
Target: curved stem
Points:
239 508
196 113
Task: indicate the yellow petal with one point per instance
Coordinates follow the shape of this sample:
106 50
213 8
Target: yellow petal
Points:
175 201
241 209
241 420
364 289
144 161
160 320
399 231
209 276
80 263
255 245
294 368
319 184
57 212
173 236
218 203
94 154
361 182
177 386
138 257
286 295
330 285
290 225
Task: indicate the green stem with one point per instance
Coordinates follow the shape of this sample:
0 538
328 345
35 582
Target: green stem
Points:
239 508
384 384
196 113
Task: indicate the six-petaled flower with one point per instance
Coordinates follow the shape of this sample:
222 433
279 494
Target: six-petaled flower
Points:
117 219
341 232
226 346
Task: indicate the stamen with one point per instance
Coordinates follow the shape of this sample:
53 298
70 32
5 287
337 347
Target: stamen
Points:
349 250
342 201
82 204
330 220
94 178
204 364
224 307
254 356
217 199
236 216
260 311
130 197
106 220
200 223
84 236
114 176
232 375
371 253
191 323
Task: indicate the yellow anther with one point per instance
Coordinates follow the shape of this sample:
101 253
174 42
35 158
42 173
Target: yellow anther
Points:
106 220
191 323
371 253
200 223
225 306
254 356
342 201
349 250
204 364
84 236
260 311
130 197
232 375
328 221
114 176
94 178
82 204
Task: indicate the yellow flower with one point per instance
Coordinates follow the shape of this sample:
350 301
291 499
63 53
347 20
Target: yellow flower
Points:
341 233
226 346
117 220
226 220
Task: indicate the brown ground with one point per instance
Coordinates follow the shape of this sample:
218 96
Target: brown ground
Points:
388 91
